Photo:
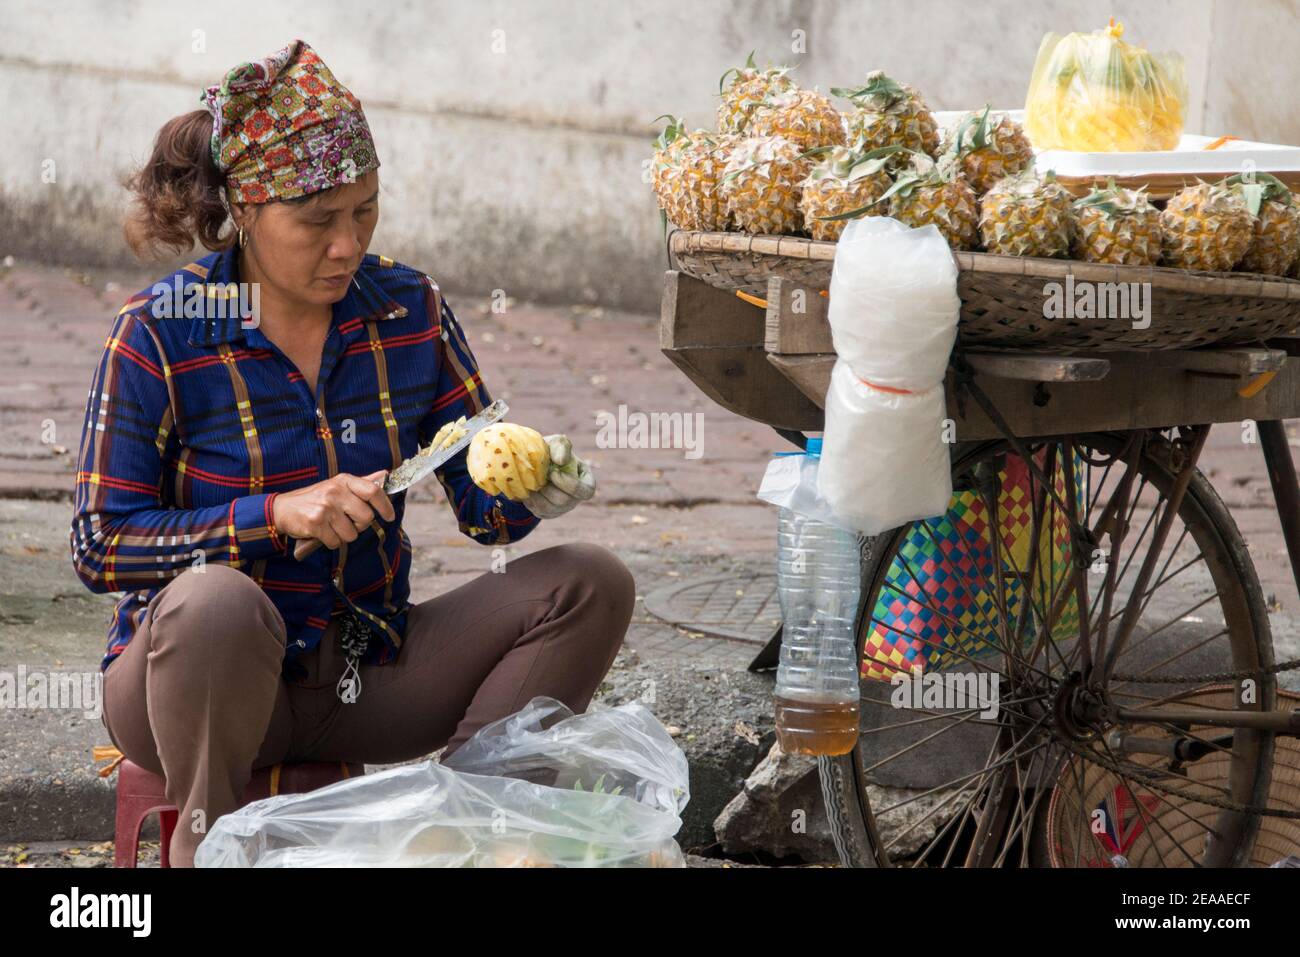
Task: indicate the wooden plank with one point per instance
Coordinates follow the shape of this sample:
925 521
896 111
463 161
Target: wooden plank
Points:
811 375
796 320
716 339
1032 368
1225 361
1131 397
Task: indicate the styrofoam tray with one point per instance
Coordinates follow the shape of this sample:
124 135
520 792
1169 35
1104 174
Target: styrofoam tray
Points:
1164 168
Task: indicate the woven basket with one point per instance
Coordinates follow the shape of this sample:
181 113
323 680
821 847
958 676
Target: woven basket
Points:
1176 819
1003 297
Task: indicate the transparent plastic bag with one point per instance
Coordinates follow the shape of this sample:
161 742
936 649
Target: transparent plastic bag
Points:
1094 93
791 482
626 746
620 782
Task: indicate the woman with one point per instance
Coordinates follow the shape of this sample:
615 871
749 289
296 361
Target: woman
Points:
215 436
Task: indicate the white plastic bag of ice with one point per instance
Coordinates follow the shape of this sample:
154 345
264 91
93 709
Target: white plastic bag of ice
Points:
893 316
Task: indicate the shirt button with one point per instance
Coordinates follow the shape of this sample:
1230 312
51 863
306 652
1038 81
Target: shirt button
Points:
301 643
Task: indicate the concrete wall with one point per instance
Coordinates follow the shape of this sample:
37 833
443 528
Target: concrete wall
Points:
520 168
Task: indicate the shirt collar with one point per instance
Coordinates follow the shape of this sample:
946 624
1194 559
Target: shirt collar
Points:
221 319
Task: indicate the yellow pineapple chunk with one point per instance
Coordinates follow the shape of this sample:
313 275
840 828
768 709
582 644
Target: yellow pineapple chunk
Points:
446 436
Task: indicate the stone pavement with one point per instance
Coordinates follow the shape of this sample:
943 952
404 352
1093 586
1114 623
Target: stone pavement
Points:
671 518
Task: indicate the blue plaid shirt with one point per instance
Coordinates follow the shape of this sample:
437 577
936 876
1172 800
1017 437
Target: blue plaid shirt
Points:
194 424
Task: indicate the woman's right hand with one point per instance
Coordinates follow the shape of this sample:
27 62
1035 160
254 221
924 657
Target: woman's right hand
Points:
334 511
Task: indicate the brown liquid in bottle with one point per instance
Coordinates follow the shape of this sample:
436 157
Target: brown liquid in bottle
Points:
816 727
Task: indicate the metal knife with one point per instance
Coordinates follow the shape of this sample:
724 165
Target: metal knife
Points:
423 464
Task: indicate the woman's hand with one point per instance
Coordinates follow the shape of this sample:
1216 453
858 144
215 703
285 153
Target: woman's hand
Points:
334 511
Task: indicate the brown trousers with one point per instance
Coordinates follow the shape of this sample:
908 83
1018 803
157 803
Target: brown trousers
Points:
197 695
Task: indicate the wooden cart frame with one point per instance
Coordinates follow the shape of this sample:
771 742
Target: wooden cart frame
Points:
771 361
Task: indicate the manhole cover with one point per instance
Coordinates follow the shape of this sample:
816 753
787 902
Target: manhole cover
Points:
742 608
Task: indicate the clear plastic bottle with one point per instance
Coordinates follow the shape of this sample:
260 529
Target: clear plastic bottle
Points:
819 582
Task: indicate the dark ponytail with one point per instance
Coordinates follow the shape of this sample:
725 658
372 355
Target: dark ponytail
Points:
178 191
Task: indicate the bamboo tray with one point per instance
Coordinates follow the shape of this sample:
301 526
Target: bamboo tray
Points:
1003 298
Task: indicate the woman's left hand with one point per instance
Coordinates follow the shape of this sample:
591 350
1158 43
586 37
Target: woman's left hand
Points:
569 481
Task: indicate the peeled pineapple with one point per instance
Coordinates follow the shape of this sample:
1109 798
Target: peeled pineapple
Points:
989 150
762 185
845 182
1023 215
748 87
889 113
508 459
1207 226
930 192
805 117
1276 243
1093 92
1118 226
685 173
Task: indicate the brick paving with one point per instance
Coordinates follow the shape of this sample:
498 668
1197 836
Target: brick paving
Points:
666 515
558 367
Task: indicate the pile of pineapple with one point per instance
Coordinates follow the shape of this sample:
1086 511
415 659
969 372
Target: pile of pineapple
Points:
785 161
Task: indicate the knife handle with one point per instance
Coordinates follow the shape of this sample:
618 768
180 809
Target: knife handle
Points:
305 547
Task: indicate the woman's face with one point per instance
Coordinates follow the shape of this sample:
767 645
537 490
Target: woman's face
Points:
309 250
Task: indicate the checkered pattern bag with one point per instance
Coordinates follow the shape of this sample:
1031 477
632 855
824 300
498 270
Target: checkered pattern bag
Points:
938 607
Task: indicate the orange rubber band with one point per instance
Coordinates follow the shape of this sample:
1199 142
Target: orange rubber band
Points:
1219 142
762 303
1256 385
886 388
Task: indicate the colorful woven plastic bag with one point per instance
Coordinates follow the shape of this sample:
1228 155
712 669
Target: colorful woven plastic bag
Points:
939 605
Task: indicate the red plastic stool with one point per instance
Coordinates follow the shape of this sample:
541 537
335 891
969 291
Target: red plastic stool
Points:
141 793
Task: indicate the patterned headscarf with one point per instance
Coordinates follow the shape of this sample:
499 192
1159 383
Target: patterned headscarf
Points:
283 127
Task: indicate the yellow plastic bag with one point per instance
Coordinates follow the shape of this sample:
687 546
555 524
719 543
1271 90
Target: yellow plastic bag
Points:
1092 92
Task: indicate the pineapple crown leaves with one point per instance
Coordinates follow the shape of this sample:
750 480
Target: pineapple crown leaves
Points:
909 180
1257 188
1116 201
972 133
598 787
922 173
850 163
675 128
879 94
749 69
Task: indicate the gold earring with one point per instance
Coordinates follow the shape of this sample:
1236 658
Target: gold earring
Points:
242 241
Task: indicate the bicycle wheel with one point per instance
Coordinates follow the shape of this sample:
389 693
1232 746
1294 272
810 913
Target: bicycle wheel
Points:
1065 584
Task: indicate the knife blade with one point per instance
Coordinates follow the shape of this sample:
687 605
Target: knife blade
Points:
423 464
